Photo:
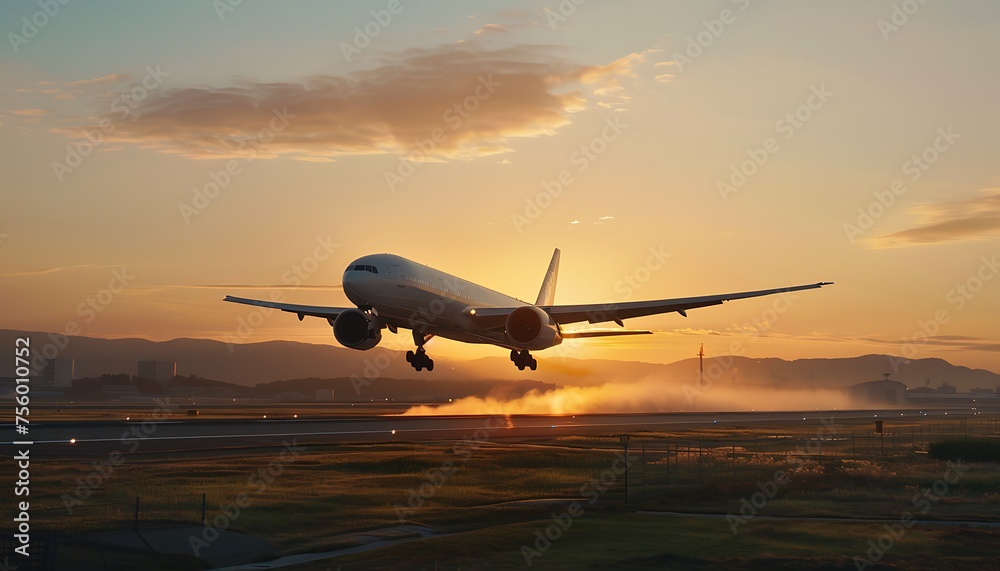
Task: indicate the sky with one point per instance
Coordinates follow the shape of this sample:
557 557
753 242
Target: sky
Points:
158 156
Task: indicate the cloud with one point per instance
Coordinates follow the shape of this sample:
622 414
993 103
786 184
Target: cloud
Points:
104 79
30 112
455 101
44 271
949 222
248 286
960 343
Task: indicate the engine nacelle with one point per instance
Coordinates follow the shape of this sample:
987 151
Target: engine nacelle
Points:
355 329
529 327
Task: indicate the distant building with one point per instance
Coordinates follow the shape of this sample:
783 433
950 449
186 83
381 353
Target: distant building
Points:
324 395
57 374
160 371
881 392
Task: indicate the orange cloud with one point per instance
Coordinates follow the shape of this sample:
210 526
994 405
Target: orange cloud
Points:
949 222
467 101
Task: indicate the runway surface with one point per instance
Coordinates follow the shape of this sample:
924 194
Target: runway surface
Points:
72 438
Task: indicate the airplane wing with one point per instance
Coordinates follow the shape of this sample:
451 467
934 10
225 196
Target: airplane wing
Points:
602 333
300 310
603 312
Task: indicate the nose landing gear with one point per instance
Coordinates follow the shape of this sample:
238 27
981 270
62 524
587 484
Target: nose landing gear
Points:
419 359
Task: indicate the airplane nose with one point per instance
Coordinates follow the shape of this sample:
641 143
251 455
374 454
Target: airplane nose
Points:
359 284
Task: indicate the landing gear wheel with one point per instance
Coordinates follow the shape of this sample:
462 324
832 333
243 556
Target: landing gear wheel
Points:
523 359
419 360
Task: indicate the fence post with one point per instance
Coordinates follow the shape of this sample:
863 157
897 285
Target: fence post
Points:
624 440
135 522
203 508
668 465
643 469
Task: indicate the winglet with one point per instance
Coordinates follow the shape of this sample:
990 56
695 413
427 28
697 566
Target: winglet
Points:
547 295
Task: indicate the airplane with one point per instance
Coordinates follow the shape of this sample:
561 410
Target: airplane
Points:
392 292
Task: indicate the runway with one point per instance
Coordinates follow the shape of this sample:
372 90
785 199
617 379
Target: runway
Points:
69 438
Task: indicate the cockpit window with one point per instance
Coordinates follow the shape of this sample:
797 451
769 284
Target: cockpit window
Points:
363 268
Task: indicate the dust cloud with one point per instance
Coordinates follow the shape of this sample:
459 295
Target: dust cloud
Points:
647 395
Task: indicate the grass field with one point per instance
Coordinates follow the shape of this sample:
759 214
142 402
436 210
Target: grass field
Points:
323 497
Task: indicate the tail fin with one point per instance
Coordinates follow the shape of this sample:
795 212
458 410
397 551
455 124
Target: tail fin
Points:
547 295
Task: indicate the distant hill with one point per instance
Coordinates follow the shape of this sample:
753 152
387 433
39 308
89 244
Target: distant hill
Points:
253 363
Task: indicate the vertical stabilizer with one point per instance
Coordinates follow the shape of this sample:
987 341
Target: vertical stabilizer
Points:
547 295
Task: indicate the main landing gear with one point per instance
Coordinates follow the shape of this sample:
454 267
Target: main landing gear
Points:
523 359
419 359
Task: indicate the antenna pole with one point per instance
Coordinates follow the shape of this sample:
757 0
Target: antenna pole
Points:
701 365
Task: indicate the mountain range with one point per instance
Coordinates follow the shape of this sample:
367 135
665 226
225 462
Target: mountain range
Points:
253 363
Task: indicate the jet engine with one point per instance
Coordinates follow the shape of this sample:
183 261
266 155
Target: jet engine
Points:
529 327
356 329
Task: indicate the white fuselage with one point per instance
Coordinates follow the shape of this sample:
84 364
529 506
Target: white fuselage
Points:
410 295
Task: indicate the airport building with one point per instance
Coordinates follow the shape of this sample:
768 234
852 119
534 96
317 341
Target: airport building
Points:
881 392
57 374
160 371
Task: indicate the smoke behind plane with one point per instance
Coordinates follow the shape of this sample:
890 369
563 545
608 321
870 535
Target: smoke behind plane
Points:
647 395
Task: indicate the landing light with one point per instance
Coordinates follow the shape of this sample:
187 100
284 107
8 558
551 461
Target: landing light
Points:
472 312
394 431
72 440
